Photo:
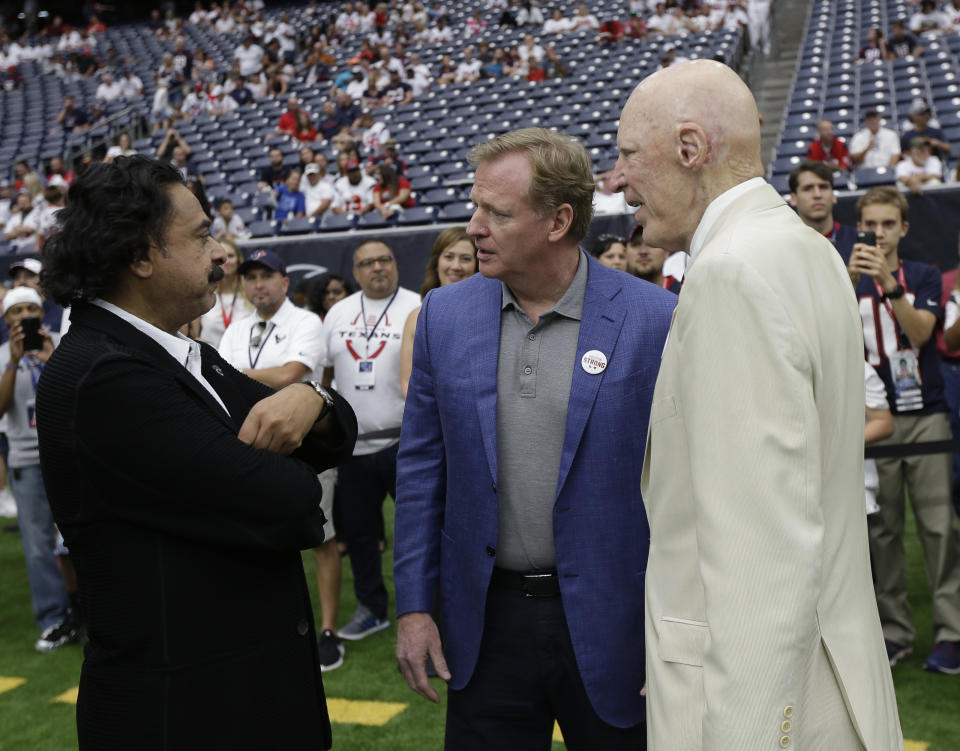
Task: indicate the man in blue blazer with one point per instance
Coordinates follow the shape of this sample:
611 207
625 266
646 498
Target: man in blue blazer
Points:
518 477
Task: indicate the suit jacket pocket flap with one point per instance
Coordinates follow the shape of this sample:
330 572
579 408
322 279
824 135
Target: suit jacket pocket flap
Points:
663 409
682 640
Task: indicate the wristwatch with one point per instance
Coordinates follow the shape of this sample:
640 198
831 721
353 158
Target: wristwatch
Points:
895 295
325 395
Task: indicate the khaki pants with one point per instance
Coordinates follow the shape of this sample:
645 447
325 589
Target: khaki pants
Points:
927 481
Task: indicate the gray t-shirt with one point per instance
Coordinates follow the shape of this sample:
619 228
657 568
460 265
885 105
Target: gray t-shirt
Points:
21 418
534 373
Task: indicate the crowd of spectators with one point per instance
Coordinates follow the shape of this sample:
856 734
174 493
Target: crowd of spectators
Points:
919 154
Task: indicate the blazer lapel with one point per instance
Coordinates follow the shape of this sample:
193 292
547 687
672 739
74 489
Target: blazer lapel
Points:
132 339
600 325
484 356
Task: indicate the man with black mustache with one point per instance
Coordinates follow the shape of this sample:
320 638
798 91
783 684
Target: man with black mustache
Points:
184 489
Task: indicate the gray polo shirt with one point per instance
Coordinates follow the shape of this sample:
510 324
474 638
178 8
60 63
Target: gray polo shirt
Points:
534 372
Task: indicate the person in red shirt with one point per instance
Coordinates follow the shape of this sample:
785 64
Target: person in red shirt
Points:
305 131
288 120
391 192
828 148
636 26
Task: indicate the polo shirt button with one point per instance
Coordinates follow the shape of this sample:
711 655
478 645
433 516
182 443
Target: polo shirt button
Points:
527 370
491 551
302 627
532 337
784 741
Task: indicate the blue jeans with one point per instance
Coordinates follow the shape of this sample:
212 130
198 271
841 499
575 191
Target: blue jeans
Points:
50 600
951 388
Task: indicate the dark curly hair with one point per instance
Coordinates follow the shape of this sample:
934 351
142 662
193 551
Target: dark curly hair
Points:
318 291
115 212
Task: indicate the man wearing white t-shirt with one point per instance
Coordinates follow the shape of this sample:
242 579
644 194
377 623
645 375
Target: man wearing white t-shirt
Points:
317 191
921 169
250 57
873 145
281 344
362 336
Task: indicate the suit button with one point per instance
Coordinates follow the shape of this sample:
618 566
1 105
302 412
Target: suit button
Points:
788 711
491 551
786 726
302 627
784 741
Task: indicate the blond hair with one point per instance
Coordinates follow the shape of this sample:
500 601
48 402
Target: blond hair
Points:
560 172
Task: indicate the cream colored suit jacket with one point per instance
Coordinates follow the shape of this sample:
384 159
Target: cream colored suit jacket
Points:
761 625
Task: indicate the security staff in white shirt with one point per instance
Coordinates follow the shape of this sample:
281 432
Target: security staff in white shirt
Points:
278 345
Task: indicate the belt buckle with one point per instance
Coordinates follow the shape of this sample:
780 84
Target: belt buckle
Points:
539 585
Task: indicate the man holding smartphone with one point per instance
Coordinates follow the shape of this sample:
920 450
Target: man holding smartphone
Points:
22 359
899 304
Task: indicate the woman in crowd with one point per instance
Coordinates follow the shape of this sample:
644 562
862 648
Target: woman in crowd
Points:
305 131
453 258
122 147
326 291
232 304
391 192
610 250
307 156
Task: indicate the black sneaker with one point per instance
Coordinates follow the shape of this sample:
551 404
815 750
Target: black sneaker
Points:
330 650
57 636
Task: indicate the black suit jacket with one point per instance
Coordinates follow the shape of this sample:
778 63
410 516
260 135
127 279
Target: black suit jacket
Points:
186 543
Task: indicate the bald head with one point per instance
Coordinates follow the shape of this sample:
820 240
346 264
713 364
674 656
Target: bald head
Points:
687 134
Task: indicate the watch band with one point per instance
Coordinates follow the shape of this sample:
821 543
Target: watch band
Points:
895 295
325 395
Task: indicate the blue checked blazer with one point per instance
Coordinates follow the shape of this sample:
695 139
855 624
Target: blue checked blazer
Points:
447 507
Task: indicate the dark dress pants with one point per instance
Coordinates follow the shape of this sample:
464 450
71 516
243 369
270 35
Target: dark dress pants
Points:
527 676
364 481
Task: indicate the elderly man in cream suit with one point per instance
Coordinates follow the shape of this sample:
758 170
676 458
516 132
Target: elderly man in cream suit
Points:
761 626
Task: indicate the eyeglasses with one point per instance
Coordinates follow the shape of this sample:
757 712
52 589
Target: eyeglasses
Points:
369 262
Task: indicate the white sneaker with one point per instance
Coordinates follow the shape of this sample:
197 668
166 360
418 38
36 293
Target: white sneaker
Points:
8 506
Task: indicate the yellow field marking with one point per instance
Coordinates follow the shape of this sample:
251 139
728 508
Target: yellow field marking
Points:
915 746
345 711
67 697
557 735
8 684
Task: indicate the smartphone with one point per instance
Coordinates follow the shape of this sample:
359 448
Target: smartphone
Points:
867 238
32 340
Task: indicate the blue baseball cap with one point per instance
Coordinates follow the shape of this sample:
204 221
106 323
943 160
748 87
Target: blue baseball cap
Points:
266 258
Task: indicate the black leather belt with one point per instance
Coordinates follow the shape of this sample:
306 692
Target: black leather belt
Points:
538 584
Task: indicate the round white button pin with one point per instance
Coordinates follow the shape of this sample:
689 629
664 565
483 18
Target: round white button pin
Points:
594 362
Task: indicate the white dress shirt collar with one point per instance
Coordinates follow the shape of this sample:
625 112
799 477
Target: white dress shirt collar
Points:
181 348
715 210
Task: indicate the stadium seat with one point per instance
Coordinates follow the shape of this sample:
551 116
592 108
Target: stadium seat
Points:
418 215
262 228
337 222
374 220
300 225
867 177
456 212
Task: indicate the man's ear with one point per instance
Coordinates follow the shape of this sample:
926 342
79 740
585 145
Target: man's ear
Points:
562 219
693 148
142 267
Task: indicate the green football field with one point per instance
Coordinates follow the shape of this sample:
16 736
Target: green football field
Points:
371 706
